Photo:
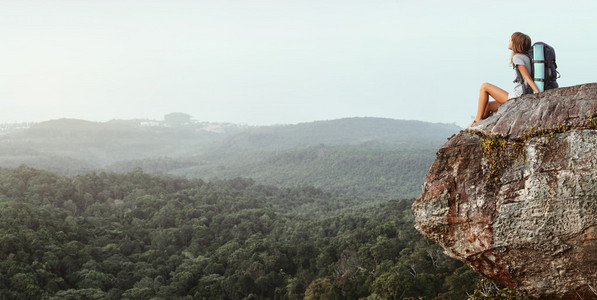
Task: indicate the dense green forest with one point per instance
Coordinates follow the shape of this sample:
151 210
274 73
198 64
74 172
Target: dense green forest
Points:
139 236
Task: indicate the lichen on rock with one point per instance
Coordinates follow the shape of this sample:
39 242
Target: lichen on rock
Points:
515 195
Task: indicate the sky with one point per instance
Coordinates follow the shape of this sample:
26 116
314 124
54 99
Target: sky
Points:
266 62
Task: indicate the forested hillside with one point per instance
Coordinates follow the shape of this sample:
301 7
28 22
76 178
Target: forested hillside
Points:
138 236
368 170
369 157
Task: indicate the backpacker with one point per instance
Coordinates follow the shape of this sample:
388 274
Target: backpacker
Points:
543 66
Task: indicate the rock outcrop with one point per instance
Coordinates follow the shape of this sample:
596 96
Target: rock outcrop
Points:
515 195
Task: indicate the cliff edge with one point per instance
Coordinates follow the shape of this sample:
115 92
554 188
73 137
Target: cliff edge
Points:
515 195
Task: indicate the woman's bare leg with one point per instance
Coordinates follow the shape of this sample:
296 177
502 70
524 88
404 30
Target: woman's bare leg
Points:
488 89
491 106
486 106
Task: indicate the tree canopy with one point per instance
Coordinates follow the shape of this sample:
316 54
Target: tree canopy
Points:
139 236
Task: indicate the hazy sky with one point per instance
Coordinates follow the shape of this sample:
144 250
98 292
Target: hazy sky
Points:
267 62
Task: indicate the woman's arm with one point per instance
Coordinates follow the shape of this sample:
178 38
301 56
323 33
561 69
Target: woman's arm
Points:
527 77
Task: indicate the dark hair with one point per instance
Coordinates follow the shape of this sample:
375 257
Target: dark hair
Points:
521 43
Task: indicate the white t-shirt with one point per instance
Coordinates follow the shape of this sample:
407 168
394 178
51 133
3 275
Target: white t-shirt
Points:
521 88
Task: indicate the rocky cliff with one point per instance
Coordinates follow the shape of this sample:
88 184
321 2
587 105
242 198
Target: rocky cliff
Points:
515 195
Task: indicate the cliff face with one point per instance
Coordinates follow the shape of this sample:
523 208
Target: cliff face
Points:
515 196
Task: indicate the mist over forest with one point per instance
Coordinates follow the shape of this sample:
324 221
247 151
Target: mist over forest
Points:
364 156
182 209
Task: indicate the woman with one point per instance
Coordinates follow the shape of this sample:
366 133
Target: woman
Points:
519 43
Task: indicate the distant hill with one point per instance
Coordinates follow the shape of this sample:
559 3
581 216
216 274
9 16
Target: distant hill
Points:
374 157
83 145
349 131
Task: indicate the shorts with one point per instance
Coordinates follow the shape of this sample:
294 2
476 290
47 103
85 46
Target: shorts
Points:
518 91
